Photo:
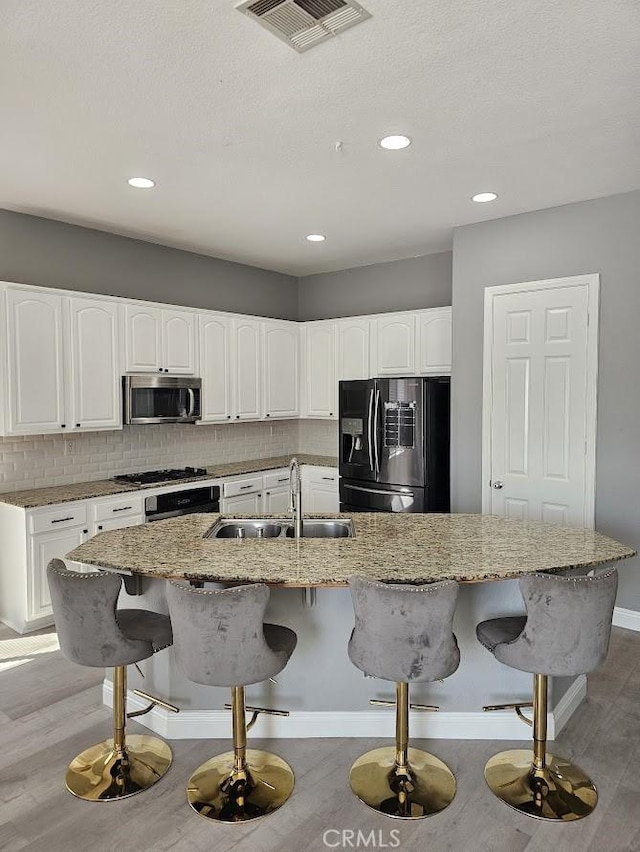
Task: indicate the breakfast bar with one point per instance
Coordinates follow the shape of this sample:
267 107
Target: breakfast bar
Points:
320 688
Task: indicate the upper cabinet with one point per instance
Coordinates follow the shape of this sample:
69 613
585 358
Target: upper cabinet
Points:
62 360
280 369
34 381
319 376
215 367
394 346
159 340
246 370
353 349
434 341
94 342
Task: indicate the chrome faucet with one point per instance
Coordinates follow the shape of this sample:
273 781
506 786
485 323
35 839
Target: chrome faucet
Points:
295 495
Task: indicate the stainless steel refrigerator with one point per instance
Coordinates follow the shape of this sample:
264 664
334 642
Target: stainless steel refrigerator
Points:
394 445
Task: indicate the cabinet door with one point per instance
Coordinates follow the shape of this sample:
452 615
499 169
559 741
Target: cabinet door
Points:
246 369
250 504
320 366
353 349
276 501
281 369
117 523
215 368
143 339
434 341
323 499
179 342
35 381
45 547
395 344
95 375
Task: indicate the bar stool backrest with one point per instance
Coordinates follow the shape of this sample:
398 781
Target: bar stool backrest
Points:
568 624
404 633
218 635
84 610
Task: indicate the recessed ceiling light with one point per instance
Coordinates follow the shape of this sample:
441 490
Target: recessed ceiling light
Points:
316 238
141 183
482 197
395 143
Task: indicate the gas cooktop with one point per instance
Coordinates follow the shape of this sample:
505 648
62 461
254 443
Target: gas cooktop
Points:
150 477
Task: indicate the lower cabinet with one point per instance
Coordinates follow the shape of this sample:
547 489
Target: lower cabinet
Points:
276 501
320 489
45 547
250 504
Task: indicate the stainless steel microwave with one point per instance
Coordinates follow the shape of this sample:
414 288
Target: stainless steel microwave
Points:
161 399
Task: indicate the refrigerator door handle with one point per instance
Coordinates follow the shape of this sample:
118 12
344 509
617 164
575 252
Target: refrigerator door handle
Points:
377 490
369 431
375 431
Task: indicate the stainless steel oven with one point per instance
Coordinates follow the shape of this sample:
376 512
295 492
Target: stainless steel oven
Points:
161 399
200 499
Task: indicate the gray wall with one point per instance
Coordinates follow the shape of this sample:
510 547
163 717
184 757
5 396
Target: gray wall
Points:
594 236
52 254
402 285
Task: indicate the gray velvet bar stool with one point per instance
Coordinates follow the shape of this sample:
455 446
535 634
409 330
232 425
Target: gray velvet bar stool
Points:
92 632
220 639
403 634
565 633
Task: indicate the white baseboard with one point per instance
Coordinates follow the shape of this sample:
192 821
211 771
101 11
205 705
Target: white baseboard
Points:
216 724
628 618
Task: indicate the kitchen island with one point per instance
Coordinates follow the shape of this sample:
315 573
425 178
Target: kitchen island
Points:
326 695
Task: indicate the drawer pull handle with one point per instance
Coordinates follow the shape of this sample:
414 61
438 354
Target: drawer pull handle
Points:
122 509
284 479
244 487
330 478
60 520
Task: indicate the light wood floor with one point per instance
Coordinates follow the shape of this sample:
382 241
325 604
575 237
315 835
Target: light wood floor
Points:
51 709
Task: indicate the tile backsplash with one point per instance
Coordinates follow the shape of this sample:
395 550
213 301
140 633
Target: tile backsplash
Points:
37 461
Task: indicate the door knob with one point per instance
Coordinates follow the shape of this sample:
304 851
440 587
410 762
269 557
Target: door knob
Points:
496 484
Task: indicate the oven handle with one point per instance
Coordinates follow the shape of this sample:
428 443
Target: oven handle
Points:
174 513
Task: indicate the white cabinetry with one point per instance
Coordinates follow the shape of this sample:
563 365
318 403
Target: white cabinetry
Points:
320 383
320 489
215 367
281 383
276 497
94 375
117 513
62 362
353 349
45 547
246 369
434 341
394 344
159 340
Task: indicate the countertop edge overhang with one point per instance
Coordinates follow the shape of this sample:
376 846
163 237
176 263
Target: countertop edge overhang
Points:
52 495
401 548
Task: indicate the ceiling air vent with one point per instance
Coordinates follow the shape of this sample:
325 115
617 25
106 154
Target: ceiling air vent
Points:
305 23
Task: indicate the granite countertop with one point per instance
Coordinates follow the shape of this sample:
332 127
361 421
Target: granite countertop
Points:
404 548
36 497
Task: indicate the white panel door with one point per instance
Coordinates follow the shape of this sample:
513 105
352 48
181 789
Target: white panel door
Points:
143 339
434 341
179 342
35 380
320 370
276 500
247 385
250 504
215 367
395 344
281 381
117 524
95 371
45 547
353 349
542 374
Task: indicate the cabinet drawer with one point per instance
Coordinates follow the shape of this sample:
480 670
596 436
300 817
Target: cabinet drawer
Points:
59 518
276 479
237 487
327 477
119 507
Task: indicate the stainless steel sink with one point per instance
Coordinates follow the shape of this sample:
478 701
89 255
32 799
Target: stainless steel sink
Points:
324 529
247 528
240 528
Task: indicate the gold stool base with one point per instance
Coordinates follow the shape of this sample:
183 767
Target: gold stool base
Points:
99 775
213 793
560 792
427 789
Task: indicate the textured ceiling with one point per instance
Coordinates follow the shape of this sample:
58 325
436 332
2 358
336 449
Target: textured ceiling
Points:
538 101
